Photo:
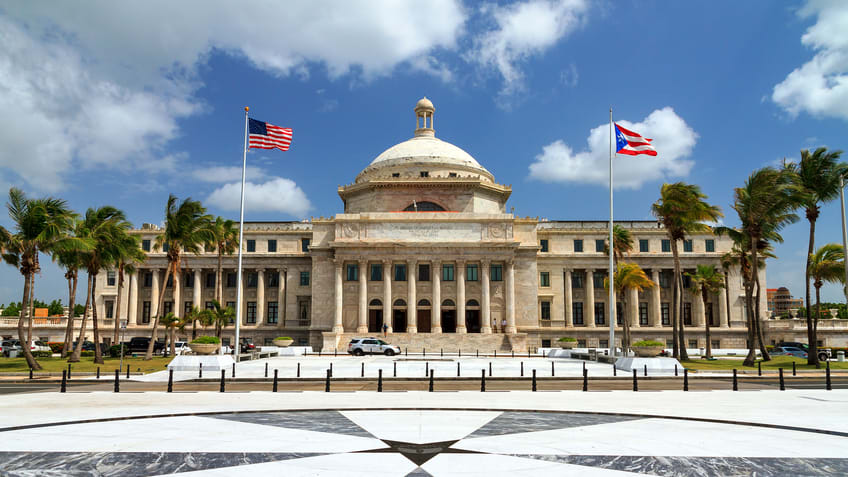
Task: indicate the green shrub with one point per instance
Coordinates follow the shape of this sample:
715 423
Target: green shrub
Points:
568 339
41 354
283 338
115 351
55 346
206 340
87 353
648 343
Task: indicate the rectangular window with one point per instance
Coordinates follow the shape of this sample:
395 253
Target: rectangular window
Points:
544 244
148 279
376 272
546 310
693 343
600 317
167 307
581 343
577 312
352 272
603 343
145 312
577 280
545 279
251 245
599 245
471 273
716 344
231 304
424 272
619 313
273 312
578 246
687 245
209 305
669 343
170 283
231 279
447 273
546 343
400 272
165 247
187 307
109 305
304 245
598 280
304 279
665 310
643 313
497 273
110 278
145 245
251 312
709 245
273 279
665 279
687 281
710 315
687 314
666 245
272 246
210 280
643 245
188 279
252 279
425 174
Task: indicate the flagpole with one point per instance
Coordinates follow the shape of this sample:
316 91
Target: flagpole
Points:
611 251
241 237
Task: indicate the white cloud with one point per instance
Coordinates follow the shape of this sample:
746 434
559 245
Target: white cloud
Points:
672 137
523 30
820 86
569 76
278 194
226 173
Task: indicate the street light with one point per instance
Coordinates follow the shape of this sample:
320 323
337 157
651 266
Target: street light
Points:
844 233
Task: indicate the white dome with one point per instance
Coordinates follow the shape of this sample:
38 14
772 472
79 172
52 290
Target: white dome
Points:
424 149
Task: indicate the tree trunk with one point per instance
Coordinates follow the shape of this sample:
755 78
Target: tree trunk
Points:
116 335
678 278
31 362
98 355
72 302
31 311
625 344
675 299
705 297
173 345
149 355
219 287
726 298
816 323
758 325
75 356
812 356
749 313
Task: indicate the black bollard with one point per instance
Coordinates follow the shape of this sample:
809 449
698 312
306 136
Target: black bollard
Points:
780 375
794 373
30 373
827 385
431 380
319 353
685 379
170 380
362 370
274 389
522 368
379 380
117 380
441 352
585 380
128 371
406 351
426 369
423 351
482 380
613 371
331 369
298 370
223 376
552 369
675 370
394 369
759 368
646 370
635 381
98 373
64 385
69 370
478 354
496 353
513 353
735 381
200 371
327 382
266 370
234 369
490 368
584 366
534 381
335 352
460 352
457 369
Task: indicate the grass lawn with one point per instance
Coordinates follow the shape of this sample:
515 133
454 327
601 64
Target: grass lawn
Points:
776 362
86 364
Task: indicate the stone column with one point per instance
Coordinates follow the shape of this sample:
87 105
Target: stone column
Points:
589 287
460 297
132 303
154 294
363 297
178 311
198 283
569 306
338 326
698 310
281 297
632 307
485 310
412 306
387 294
260 295
723 319
654 312
510 297
436 313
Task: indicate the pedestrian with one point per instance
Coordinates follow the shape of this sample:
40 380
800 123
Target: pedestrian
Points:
494 325
385 330
503 325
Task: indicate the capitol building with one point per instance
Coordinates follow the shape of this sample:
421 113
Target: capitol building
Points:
425 245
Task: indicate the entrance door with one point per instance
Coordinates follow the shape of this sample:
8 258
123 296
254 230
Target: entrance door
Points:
375 321
424 325
399 321
448 321
472 321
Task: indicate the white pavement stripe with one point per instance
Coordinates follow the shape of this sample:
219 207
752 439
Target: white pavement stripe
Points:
449 465
420 426
337 465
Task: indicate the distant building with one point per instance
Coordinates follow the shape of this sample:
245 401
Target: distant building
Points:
780 302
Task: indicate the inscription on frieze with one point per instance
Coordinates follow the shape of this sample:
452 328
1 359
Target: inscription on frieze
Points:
425 231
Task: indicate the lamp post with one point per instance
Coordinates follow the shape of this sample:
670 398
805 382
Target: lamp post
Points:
844 233
121 344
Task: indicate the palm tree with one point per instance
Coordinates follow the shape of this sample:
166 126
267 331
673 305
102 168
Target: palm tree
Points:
764 205
827 264
628 276
225 241
193 316
40 226
220 316
172 322
817 179
682 210
706 281
727 261
127 255
71 261
187 227
622 242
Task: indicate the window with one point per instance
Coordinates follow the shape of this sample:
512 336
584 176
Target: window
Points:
546 343
599 314
376 272
581 343
544 245
577 280
664 312
251 245
210 280
145 312
687 314
303 310
603 343
273 279
188 279
167 307
272 245
231 304
599 245
598 280
546 310
252 279
395 174
251 312
165 247
110 278
145 245
709 245
424 272
693 343
451 174
209 305
352 273
170 283
148 279
425 174
643 245
619 313
187 307
231 279
577 312
497 273
447 272
109 305
643 313
304 245
304 279
665 279
545 279
687 281
471 273
666 245
578 246
687 245
400 272
715 344
669 343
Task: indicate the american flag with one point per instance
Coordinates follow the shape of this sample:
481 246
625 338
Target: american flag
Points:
268 136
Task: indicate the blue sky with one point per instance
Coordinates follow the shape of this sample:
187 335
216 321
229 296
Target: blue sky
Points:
115 103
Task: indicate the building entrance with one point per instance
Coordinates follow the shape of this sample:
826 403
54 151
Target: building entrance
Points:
448 321
424 322
375 321
399 321
472 321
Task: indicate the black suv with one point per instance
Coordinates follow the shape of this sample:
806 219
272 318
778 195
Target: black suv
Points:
824 353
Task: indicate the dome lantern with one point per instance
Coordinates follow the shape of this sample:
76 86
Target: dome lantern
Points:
424 124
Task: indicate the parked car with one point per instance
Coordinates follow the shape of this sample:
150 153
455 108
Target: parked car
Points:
9 346
824 353
86 345
139 344
35 345
788 351
181 347
247 345
361 346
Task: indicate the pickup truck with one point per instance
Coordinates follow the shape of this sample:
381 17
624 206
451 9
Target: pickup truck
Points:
140 344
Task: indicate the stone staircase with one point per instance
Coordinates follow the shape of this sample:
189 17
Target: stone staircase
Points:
452 343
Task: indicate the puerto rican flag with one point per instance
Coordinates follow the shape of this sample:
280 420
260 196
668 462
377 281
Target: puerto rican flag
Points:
631 143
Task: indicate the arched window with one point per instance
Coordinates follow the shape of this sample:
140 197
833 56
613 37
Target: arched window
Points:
424 302
448 302
375 302
472 303
400 302
424 207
